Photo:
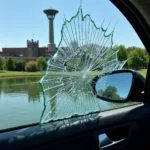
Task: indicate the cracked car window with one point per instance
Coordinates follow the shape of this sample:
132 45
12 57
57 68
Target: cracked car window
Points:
50 53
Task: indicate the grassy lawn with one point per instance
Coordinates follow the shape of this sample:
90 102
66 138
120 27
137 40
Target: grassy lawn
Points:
143 72
5 73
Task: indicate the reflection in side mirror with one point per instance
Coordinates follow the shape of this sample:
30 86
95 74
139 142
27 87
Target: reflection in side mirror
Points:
114 87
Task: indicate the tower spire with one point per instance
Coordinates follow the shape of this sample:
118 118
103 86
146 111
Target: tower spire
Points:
81 3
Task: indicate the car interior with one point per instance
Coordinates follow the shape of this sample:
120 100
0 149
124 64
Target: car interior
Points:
117 129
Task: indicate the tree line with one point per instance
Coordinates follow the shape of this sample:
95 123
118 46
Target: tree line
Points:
137 58
12 64
110 93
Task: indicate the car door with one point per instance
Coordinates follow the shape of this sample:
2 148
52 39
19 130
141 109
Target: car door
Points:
121 128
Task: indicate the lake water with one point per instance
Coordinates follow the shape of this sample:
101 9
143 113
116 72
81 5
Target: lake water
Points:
22 102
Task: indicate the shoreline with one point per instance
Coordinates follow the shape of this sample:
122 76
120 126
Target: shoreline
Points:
20 76
14 74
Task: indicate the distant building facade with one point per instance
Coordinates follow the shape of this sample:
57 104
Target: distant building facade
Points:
31 52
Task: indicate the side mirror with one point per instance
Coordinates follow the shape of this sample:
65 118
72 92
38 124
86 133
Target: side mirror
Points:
119 86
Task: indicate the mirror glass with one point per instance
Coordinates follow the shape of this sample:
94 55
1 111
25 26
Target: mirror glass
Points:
114 86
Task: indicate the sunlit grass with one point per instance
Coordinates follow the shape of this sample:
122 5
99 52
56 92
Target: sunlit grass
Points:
143 72
4 73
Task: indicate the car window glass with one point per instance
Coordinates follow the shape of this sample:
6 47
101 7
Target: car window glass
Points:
92 28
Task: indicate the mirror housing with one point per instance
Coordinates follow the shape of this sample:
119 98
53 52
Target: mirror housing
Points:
133 80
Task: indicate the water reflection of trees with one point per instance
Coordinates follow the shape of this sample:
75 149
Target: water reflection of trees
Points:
1 83
22 86
34 91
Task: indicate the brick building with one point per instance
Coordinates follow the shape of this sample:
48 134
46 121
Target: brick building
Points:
31 52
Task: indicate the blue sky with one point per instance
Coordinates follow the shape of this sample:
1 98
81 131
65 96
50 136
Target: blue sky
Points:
20 19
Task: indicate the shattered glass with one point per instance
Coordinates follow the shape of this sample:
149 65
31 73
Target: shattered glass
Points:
84 52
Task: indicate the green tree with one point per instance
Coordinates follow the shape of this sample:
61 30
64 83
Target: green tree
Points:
110 93
137 59
69 65
131 48
122 53
1 63
31 66
41 63
10 64
146 53
20 65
